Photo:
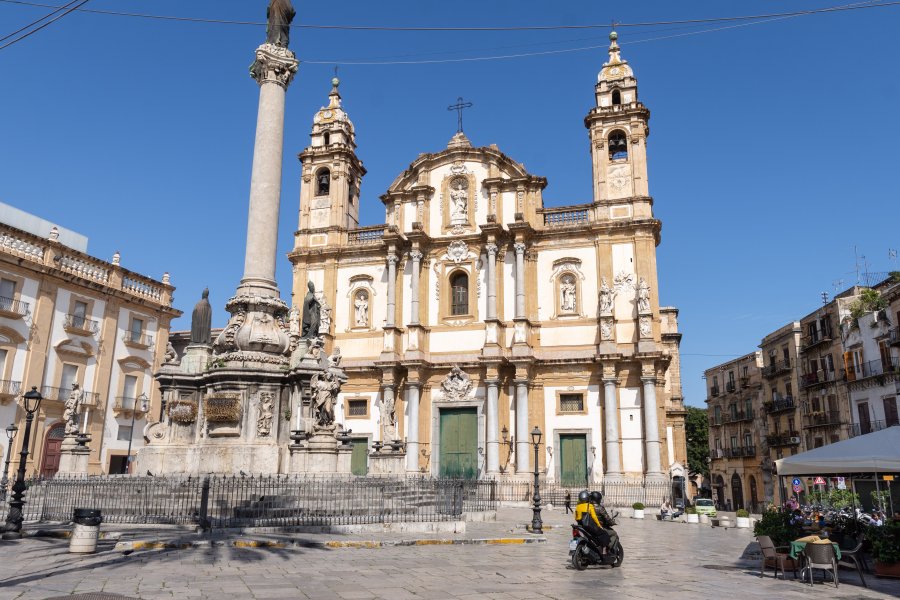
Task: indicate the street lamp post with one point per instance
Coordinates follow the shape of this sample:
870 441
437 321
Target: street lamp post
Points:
143 400
537 526
13 528
4 483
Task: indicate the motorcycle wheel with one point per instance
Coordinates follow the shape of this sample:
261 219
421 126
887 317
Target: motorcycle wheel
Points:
579 558
620 556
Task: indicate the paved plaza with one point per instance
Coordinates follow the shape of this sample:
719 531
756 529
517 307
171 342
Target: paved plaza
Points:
672 560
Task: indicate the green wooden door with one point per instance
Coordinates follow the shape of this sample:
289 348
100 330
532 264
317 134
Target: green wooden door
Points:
359 458
459 443
572 460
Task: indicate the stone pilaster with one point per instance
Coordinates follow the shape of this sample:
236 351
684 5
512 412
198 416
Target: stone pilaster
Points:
392 290
519 247
491 281
523 443
493 422
416 258
651 429
413 393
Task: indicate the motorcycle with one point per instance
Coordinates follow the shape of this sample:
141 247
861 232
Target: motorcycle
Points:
585 551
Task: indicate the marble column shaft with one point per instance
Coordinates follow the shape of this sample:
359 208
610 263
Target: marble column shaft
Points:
392 290
492 282
523 440
413 391
651 427
520 280
611 414
493 422
416 257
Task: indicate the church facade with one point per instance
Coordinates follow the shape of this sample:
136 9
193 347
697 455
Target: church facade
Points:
474 314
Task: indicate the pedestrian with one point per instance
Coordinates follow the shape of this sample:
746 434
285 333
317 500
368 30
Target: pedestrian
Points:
568 502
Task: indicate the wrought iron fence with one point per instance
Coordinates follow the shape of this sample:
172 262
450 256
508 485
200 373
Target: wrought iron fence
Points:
260 501
615 493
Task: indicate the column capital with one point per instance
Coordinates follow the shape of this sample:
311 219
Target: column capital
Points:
392 258
645 379
491 249
274 64
519 247
492 382
415 255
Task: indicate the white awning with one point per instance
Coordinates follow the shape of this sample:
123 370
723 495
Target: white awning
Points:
877 452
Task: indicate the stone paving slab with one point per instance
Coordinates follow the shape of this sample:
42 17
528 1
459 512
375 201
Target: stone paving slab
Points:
661 561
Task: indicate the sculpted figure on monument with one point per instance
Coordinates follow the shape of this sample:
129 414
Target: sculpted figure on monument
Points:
70 415
388 417
279 16
459 199
201 321
606 297
311 314
325 387
362 309
567 294
643 296
171 355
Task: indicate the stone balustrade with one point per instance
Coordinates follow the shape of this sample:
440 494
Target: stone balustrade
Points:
567 216
88 269
142 287
19 246
366 235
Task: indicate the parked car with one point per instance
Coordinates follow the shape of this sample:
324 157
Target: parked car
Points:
705 506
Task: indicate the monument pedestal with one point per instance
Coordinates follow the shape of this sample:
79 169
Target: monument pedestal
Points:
196 358
73 459
387 462
321 453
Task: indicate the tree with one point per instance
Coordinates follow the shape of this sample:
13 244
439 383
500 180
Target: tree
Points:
697 428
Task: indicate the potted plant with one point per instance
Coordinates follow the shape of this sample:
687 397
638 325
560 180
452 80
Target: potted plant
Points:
886 548
743 519
638 508
692 516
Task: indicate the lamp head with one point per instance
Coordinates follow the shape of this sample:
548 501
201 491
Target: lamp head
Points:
11 431
32 400
143 400
536 435
505 433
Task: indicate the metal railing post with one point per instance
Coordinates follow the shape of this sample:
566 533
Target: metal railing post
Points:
204 523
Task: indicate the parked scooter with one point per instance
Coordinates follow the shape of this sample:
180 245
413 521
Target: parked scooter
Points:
584 550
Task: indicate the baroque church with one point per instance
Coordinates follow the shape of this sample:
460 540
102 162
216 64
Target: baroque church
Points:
474 314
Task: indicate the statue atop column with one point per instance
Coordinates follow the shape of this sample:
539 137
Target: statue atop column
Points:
70 415
325 387
311 314
279 16
201 321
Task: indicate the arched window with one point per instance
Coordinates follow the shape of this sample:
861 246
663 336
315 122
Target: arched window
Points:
618 145
326 138
323 182
616 97
459 293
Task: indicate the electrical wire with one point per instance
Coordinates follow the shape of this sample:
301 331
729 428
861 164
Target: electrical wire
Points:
53 20
33 23
476 29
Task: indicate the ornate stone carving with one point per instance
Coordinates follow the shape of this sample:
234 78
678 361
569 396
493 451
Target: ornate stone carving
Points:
436 267
606 297
566 264
361 304
266 413
606 329
491 249
456 386
183 410
623 282
645 326
388 414
325 388
274 64
458 251
519 247
568 294
325 313
73 403
459 201
392 258
222 407
334 361
171 357
643 297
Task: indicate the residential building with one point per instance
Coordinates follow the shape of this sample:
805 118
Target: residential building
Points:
67 317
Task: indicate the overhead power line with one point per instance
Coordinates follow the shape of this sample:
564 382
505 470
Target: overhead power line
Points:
65 11
798 13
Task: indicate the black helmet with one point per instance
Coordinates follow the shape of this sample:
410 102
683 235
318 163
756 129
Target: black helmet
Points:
596 497
584 496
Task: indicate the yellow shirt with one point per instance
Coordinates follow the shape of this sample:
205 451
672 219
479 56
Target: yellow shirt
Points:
586 507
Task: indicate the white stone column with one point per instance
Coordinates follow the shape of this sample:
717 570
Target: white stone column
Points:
611 410
491 281
520 279
392 290
493 421
523 439
413 391
273 69
651 428
416 257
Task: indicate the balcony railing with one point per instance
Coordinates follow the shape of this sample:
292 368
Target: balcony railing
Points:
366 235
826 418
872 368
739 416
10 388
60 394
137 338
894 336
729 386
809 342
776 368
779 404
819 377
565 217
788 438
857 429
81 323
714 391
129 404
13 307
745 452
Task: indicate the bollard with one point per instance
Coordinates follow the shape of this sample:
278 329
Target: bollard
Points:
87 530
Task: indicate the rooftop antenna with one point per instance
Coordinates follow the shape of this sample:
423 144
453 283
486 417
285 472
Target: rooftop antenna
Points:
824 297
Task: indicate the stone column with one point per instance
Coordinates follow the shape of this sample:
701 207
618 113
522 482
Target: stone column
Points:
273 69
520 279
491 282
392 290
493 422
413 390
611 410
651 429
523 435
416 257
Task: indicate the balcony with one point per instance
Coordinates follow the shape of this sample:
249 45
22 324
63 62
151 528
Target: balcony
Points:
566 216
137 339
714 391
824 418
776 368
730 386
872 368
779 405
12 308
818 378
857 429
58 394
126 405
894 336
745 452
738 416
373 234
80 325
9 390
788 438
808 342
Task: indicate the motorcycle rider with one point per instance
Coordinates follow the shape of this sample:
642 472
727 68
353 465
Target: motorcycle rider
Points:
586 515
605 518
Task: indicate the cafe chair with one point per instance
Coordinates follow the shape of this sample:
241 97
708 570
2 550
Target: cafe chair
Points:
770 552
821 556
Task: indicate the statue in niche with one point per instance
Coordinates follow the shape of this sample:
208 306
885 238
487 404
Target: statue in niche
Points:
362 309
70 415
311 314
388 416
201 321
567 293
325 388
606 329
266 413
643 296
645 327
606 297
324 313
279 16
459 201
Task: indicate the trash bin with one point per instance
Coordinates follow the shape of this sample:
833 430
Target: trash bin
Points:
87 530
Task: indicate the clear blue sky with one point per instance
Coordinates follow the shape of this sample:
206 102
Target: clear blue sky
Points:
772 148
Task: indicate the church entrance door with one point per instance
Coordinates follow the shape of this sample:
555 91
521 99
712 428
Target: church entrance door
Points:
359 458
459 443
572 460
52 450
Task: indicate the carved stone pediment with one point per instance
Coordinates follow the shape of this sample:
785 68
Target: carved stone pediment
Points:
456 386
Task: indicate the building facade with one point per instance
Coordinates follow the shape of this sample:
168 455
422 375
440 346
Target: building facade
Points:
69 318
474 313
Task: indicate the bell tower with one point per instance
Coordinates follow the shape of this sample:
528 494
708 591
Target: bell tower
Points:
332 173
618 126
